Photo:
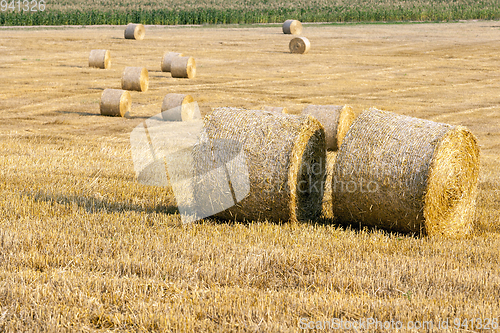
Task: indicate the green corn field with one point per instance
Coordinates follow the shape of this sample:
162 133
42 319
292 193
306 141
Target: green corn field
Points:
117 12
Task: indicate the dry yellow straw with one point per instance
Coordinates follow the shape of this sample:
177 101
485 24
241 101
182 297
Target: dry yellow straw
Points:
336 119
135 31
167 60
178 107
292 27
285 157
299 45
135 78
99 59
183 67
115 102
406 174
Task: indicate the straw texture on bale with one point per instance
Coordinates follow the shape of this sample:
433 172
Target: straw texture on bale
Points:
336 119
115 102
178 107
406 174
285 158
135 78
183 67
166 61
99 59
292 27
275 109
135 31
299 45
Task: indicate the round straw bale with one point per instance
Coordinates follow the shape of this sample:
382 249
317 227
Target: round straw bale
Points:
178 107
167 60
336 119
285 158
406 174
299 45
135 31
99 59
115 102
135 78
183 67
275 109
292 27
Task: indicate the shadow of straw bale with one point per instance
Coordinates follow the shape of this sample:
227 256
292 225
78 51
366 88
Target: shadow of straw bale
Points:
94 205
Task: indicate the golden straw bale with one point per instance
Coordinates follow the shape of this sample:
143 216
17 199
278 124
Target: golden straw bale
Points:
166 61
406 174
336 119
285 158
135 31
183 67
99 59
115 102
292 27
135 78
179 107
299 45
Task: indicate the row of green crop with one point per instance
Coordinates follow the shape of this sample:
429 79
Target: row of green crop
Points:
217 16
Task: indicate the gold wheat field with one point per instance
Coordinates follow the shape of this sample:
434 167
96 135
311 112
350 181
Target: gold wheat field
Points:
85 247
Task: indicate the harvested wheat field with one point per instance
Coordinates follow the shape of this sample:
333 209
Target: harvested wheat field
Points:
85 247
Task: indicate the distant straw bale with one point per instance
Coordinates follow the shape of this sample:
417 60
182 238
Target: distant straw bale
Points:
135 31
406 174
166 61
336 119
292 27
183 67
299 45
285 157
99 59
135 78
178 107
115 102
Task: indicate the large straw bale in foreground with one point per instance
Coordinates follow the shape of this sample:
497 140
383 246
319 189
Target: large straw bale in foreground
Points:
135 78
285 158
135 31
292 27
406 174
336 119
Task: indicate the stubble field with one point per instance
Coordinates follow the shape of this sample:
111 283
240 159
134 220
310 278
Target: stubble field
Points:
84 246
